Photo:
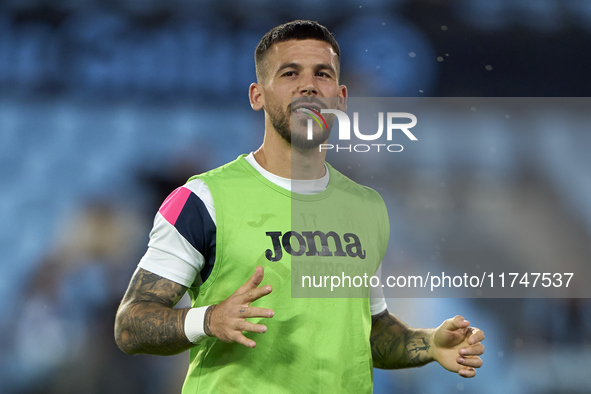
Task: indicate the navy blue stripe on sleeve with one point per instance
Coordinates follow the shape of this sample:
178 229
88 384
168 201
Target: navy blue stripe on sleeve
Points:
198 228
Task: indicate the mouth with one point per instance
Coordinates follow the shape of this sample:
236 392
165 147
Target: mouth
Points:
305 109
301 107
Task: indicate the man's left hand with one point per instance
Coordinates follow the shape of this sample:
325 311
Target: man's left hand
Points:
457 346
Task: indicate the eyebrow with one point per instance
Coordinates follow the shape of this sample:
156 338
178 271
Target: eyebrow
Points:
324 66
297 66
293 65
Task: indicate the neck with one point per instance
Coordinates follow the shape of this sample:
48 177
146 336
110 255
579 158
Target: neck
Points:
278 157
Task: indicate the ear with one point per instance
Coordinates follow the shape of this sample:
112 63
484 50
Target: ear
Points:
342 101
255 95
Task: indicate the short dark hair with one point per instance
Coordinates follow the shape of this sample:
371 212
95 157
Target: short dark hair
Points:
295 30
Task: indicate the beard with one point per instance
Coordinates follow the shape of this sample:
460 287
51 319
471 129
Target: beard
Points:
296 134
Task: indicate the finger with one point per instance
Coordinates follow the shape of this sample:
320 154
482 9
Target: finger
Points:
253 311
241 339
474 362
474 350
477 336
255 294
253 282
251 327
467 372
455 323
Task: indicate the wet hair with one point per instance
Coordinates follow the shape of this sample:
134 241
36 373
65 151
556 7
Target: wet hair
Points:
296 30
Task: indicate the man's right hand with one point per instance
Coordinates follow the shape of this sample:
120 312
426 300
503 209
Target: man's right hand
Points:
227 320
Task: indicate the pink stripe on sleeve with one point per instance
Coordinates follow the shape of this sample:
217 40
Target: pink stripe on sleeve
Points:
173 205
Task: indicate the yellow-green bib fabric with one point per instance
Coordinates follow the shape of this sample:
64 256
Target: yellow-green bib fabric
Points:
312 345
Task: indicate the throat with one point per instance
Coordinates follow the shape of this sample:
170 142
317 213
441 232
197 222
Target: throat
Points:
292 164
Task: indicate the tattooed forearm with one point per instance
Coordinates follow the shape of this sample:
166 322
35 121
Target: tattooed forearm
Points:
395 345
146 322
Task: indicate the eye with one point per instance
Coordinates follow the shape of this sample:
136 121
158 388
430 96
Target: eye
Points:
323 74
289 73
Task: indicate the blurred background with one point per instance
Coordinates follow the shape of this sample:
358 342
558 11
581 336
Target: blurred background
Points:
106 107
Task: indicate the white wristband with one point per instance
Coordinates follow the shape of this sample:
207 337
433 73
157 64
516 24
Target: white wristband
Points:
194 325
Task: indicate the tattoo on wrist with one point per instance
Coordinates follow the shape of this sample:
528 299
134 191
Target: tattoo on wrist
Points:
395 345
207 320
418 349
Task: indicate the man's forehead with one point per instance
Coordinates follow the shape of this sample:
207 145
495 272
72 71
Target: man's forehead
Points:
293 48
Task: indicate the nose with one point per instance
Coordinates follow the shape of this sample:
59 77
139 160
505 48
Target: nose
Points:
308 87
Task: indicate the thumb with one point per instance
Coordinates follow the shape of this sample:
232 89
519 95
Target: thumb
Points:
455 323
